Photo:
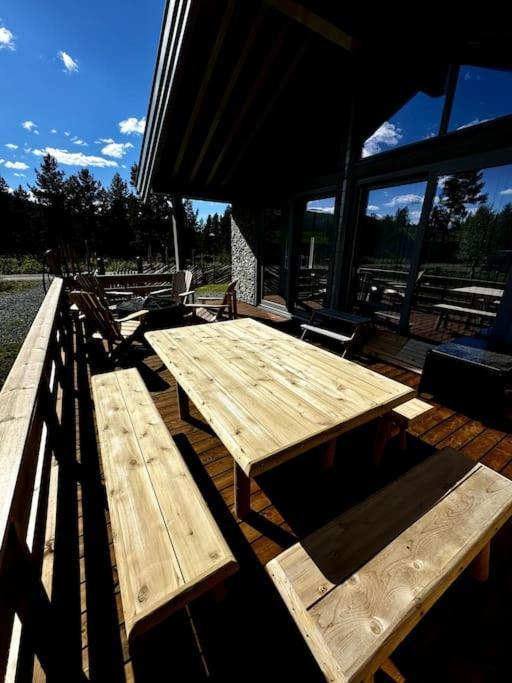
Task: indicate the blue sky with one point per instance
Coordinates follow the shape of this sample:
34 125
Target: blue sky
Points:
75 80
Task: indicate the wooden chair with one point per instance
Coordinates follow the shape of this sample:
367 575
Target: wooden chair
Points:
88 282
168 547
180 290
119 333
208 310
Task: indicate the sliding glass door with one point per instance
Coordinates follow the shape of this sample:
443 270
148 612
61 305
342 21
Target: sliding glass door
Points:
274 255
315 244
387 238
466 255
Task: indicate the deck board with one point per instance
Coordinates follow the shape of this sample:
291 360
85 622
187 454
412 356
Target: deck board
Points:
287 503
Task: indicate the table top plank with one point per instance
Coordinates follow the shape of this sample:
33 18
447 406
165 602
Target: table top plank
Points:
267 395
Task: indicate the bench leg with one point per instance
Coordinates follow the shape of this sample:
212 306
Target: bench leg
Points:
392 671
328 454
183 404
402 437
480 565
383 432
242 492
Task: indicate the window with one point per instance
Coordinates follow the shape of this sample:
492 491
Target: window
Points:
275 230
419 119
481 95
387 238
466 255
315 252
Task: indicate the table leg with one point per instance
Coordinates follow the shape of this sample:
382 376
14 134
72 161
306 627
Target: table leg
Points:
183 404
328 454
242 492
480 565
383 432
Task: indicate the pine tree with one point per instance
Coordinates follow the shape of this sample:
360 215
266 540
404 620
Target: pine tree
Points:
50 192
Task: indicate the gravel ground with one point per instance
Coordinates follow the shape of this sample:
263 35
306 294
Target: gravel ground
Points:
18 307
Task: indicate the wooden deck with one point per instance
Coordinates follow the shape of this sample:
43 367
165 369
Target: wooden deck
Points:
250 636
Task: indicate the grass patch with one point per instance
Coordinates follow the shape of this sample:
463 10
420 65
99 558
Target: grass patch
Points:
8 353
211 289
13 286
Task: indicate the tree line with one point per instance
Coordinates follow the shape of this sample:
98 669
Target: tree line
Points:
93 219
462 229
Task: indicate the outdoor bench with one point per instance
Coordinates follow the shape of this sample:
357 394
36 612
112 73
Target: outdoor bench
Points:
358 586
168 547
445 309
353 327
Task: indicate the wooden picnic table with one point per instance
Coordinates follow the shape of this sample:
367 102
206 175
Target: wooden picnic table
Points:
269 396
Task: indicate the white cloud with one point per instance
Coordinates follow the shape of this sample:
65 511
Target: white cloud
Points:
77 141
27 149
321 209
106 141
388 135
405 199
67 133
67 158
10 145
507 192
372 207
20 175
69 63
474 122
414 215
1 161
132 126
30 126
53 130
116 149
6 39
18 165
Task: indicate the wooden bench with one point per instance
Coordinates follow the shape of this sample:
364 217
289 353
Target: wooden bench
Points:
446 309
358 586
168 547
406 415
355 322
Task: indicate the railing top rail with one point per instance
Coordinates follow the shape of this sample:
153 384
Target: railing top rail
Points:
18 399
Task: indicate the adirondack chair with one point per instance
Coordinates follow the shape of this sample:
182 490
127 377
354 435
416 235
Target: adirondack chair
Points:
119 333
180 290
88 282
212 309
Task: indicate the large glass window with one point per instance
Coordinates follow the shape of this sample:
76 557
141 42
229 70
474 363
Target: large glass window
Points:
481 95
386 244
275 231
466 255
315 246
419 119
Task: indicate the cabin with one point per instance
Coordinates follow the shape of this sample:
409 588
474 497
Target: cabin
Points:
310 477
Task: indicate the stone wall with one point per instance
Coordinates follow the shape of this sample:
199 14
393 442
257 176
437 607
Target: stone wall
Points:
244 251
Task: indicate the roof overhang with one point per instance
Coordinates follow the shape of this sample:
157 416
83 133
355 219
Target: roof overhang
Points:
251 99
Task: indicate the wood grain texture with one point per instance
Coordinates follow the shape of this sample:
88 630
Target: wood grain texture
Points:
18 400
168 547
242 374
352 627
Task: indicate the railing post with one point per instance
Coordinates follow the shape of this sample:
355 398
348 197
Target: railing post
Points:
100 266
140 268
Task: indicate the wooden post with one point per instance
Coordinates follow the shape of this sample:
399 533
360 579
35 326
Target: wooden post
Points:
391 670
481 563
242 492
183 404
328 455
383 432
402 437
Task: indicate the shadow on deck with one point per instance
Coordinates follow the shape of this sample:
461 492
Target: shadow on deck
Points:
250 636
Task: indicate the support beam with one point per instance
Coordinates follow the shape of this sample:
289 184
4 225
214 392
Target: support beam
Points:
294 10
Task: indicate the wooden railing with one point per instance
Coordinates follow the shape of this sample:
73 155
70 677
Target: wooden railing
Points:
33 446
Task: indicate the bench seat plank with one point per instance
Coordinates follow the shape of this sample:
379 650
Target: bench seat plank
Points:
325 332
168 547
354 624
